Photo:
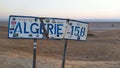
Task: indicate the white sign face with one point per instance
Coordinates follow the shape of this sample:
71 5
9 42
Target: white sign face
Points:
46 28
76 30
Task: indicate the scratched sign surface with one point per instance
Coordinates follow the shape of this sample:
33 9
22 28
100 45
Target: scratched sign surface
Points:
28 27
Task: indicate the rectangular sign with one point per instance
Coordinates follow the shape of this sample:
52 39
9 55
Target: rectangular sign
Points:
46 28
76 30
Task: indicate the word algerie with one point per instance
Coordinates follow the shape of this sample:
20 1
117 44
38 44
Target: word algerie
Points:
57 29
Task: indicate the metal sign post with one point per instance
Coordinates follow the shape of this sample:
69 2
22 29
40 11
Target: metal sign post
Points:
64 54
34 53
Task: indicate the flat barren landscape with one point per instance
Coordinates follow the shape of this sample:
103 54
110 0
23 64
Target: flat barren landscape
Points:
100 50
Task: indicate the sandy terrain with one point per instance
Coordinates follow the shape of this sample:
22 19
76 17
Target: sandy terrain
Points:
101 50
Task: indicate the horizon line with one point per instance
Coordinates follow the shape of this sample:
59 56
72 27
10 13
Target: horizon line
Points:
87 20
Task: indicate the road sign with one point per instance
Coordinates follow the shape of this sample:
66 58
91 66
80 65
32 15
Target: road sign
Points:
76 30
29 27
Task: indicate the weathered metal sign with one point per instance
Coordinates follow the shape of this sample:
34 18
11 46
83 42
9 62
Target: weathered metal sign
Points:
29 27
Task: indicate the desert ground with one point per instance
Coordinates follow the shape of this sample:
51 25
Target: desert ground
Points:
100 50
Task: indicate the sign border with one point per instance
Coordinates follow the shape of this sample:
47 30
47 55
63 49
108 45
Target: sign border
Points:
43 18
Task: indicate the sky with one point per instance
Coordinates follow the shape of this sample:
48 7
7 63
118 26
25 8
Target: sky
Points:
75 9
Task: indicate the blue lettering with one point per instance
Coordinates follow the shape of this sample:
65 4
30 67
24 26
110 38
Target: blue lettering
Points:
25 30
76 30
72 30
41 28
82 31
18 27
50 28
34 24
59 28
55 30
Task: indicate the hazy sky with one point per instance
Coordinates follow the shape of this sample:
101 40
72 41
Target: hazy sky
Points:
79 9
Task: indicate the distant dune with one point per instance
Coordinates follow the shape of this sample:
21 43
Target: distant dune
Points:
3 23
100 20
104 26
